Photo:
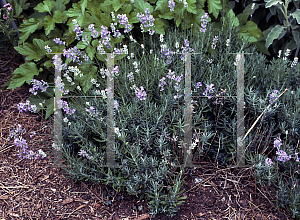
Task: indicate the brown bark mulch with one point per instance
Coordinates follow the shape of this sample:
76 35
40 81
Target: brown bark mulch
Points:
34 189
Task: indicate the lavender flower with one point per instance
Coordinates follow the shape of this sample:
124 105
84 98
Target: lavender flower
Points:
94 33
215 40
273 96
77 29
277 143
83 153
73 53
204 22
124 21
171 5
198 84
38 85
296 155
140 93
48 49
144 18
282 156
25 106
8 6
268 162
58 41
209 88
294 63
20 142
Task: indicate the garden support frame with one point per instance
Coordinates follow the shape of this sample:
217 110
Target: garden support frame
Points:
187 119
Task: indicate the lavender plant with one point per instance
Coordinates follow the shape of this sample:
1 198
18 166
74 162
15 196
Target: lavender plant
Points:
141 145
5 19
20 142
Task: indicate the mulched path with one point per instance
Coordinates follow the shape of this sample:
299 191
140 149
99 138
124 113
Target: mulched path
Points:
32 189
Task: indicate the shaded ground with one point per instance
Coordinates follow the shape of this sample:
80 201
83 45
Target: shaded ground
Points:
37 190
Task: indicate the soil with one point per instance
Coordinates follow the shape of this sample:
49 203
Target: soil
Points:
36 189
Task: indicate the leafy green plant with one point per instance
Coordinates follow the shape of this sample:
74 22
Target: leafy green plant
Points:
139 119
57 23
147 159
280 25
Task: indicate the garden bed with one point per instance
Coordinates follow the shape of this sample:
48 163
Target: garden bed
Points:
32 189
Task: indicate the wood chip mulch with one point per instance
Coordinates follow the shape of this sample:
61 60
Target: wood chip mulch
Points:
35 189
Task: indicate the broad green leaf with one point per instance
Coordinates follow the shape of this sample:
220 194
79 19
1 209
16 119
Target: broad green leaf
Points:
132 18
178 15
50 107
281 35
49 24
39 16
250 30
126 9
60 5
23 74
270 3
243 18
105 20
81 45
261 47
274 34
106 6
140 6
191 6
117 4
83 6
76 13
18 8
296 14
59 17
291 45
95 18
48 63
28 27
168 15
32 52
214 6
91 52
95 43
46 6
159 27
200 4
161 5
68 60
232 19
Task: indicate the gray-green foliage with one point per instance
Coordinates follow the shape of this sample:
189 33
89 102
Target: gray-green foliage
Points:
140 168
147 152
